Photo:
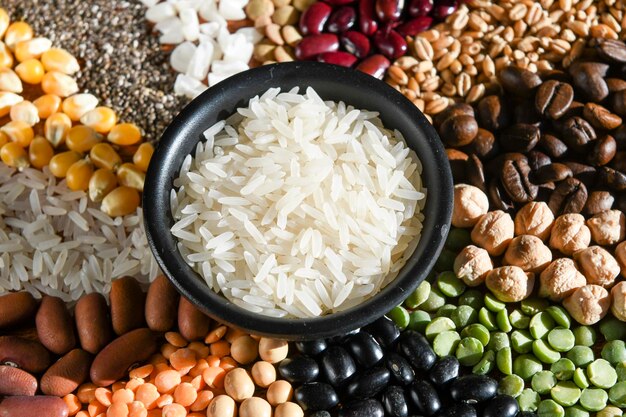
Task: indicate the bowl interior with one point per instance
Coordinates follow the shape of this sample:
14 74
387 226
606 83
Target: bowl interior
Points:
331 83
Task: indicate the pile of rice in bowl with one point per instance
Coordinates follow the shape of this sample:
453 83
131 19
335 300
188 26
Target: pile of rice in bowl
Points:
298 207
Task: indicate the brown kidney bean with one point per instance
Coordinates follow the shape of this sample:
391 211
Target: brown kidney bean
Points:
492 114
341 20
570 196
16 307
25 354
37 406
64 376
598 202
415 26
519 81
118 356
553 98
161 305
375 65
93 323
514 179
551 145
600 117
367 17
14 381
127 305
418 8
345 59
313 45
519 138
458 130
193 324
603 151
356 43
389 10
55 327
589 77
314 18
550 173
390 43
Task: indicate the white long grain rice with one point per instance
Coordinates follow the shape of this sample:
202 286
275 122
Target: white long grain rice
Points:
296 207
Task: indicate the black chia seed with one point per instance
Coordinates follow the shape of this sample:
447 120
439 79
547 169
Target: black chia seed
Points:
122 62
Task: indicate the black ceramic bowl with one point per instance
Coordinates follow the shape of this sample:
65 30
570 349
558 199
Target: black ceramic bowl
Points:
331 83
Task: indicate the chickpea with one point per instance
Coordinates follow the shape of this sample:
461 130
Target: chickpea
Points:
472 265
510 283
273 350
620 255
244 349
255 407
608 227
238 384
493 232
222 406
263 374
560 279
598 265
536 219
288 409
279 392
469 204
528 252
588 304
618 305
570 234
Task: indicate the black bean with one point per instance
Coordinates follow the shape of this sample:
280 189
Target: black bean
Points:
569 196
526 414
316 396
400 369
553 98
515 181
368 383
394 402
492 115
473 388
364 349
367 408
384 331
312 347
320 413
416 349
520 137
501 406
337 365
299 369
458 410
444 371
425 398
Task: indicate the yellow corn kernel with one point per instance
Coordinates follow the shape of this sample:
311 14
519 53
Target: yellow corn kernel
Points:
56 128
102 182
47 105
19 132
17 32
101 118
124 134
57 59
25 111
77 105
131 176
4 21
142 157
104 156
6 57
32 48
14 156
120 202
8 100
79 174
61 162
4 139
30 71
9 81
82 138
62 85
40 152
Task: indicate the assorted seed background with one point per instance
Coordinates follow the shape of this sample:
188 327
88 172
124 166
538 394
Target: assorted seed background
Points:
75 128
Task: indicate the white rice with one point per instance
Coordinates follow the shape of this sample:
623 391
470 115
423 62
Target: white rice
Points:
54 241
296 207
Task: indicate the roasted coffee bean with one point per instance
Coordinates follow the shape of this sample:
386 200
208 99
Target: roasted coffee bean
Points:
127 305
394 402
484 144
615 84
364 349
552 146
368 383
458 130
93 323
619 161
494 166
316 396
569 196
600 117
458 165
367 408
552 172
492 115
457 109
556 75
16 307
515 181
526 113
575 110
459 410
25 354
299 369
337 365
553 98
618 102
501 406
603 151
519 138
588 77
619 135
537 160
498 199
67 373
476 173
425 398
614 179
612 50
444 371
598 202
620 202
55 327
384 331
519 81
585 173
473 388
577 133
401 371
416 349
313 347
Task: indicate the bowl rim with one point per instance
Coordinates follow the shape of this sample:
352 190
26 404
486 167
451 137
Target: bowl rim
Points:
158 185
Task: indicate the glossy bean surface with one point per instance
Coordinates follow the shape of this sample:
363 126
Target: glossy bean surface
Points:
193 324
314 45
16 307
127 305
161 305
65 375
26 354
93 323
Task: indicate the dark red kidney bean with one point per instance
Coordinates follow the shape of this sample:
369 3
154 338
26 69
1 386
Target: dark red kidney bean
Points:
375 65
444 8
313 45
14 381
415 26
389 10
356 43
25 354
127 305
391 44
161 305
367 17
118 356
345 59
16 307
55 327
64 376
341 20
39 406
420 7
314 18
339 2
193 324
93 323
